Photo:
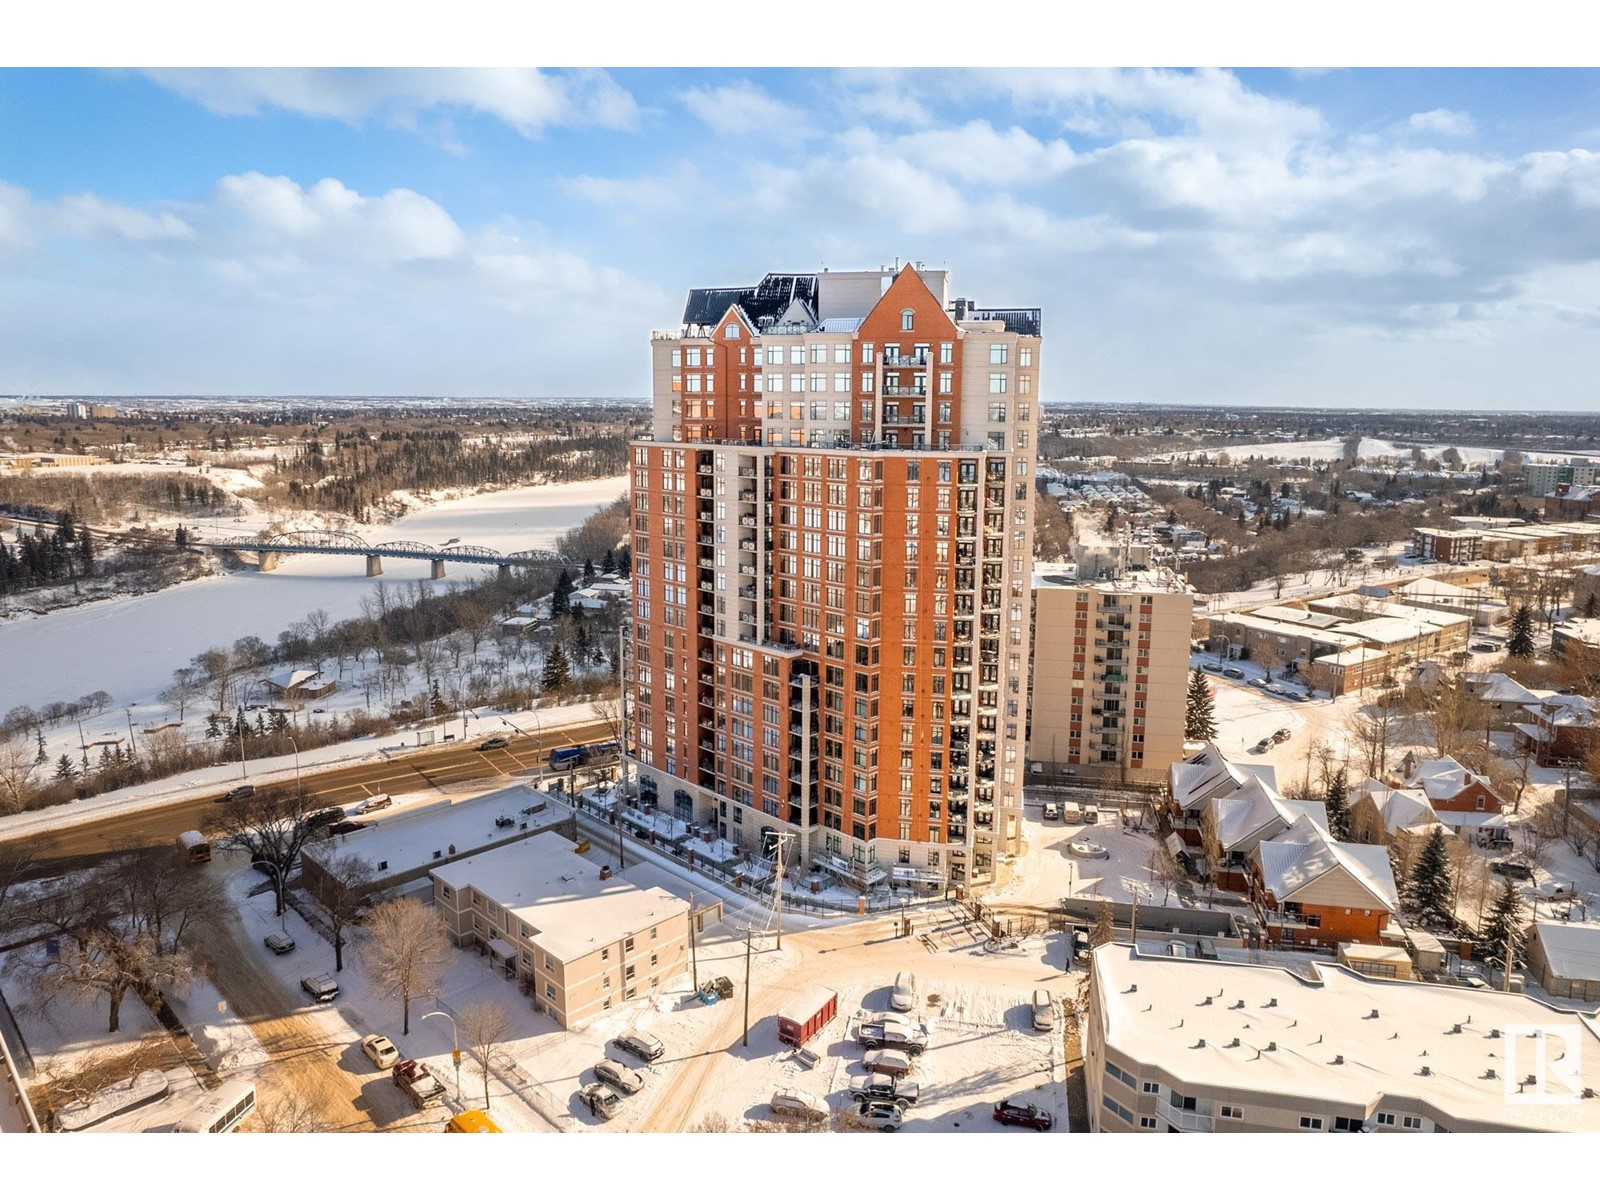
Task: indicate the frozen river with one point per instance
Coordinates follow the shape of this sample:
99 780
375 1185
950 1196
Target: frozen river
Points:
130 647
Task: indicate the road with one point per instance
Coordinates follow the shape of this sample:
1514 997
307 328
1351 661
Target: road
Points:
414 770
324 1079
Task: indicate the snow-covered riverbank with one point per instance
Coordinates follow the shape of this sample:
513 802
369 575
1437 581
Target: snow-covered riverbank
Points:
130 646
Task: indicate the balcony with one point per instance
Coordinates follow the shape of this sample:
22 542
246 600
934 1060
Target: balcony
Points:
916 417
905 360
748 497
1186 1120
906 389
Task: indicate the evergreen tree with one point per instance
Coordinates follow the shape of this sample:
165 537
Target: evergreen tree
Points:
625 562
1432 893
560 603
213 726
435 698
1520 643
42 757
1504 921
280 723
608 565
1337 802
85 549
557 671
65 771
588 570
1200 716
1591 606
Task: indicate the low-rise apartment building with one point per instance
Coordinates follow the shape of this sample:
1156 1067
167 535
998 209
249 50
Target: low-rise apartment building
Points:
1186 1045
1446 545
583 938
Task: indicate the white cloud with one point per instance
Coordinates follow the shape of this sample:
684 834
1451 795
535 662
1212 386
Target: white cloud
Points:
1443 121
742 107
1576 172
673 189
527 100
87 215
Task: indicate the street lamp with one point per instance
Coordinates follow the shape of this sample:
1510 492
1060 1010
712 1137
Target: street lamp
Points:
455 1044
238 724
277 879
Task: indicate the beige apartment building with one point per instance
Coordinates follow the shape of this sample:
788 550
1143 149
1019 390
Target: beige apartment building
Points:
1186 1045
587 939
1110 667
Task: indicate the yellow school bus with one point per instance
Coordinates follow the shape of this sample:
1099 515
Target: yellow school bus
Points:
472 1121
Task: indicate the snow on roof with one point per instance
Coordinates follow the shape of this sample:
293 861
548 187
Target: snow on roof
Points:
1400 808
1573 951
1335 1036
1303 854
1387 629
1502 689
1257 810
544 883
1297 616
284 680
1352 658
411 840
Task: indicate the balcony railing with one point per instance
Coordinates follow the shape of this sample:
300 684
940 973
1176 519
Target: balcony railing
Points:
906 389
905 360
1186 1120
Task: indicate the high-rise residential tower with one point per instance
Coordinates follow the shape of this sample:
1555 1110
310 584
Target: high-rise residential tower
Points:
832 540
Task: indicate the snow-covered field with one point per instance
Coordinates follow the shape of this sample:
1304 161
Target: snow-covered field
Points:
130 647
1371 449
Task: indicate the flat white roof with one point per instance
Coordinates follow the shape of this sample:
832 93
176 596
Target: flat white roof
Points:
407 841
1210 1023
558 893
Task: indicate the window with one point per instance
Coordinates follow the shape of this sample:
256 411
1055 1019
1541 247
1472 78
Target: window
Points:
908 319
627 972
1112 1106
550 991
947 352
1385 1118
997 356
732 331
1150 1087
605 953
627 943
1347 1124
997 384
653 933
1411 1122
1024 356
1147 1122
1117 1072
1232 1112
1310 1122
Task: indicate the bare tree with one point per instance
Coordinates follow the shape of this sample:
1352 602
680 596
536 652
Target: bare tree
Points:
407 953
18 762
1165 870
272 826
1538 833
341 890
1371 728
186 684
485 1025
64 1079
289 1111
16 861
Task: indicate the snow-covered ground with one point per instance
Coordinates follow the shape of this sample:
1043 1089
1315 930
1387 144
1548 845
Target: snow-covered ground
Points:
129 647
1371 449
1049 869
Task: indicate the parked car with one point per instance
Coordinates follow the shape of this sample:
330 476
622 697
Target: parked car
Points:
891 1037
243 792
344 827
1052 812
798 1106
380 1050
494 743
1282 735
1262 746
424 1088
1258 682
599 1100
882 1115
1082 947
1029 1116
372 804
1091 814
1044 1011
1233 673
1511 869
884 1087
624 1079
1214 668
1484 647
641 1045
904 996
322 820
893 1063
279 943
320 987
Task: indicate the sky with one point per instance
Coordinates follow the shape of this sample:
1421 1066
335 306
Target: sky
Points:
1369 237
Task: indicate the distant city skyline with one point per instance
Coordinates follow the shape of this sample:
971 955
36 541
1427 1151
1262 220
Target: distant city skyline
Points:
1419 239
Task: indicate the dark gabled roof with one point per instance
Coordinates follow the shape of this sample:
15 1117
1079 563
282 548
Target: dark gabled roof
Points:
764 302
1026 321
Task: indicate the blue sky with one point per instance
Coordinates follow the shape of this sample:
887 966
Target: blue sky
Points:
1414 238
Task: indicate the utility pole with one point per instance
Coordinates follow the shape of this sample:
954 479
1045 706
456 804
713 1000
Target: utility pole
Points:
777 898
1511 939
694 963
746 1041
